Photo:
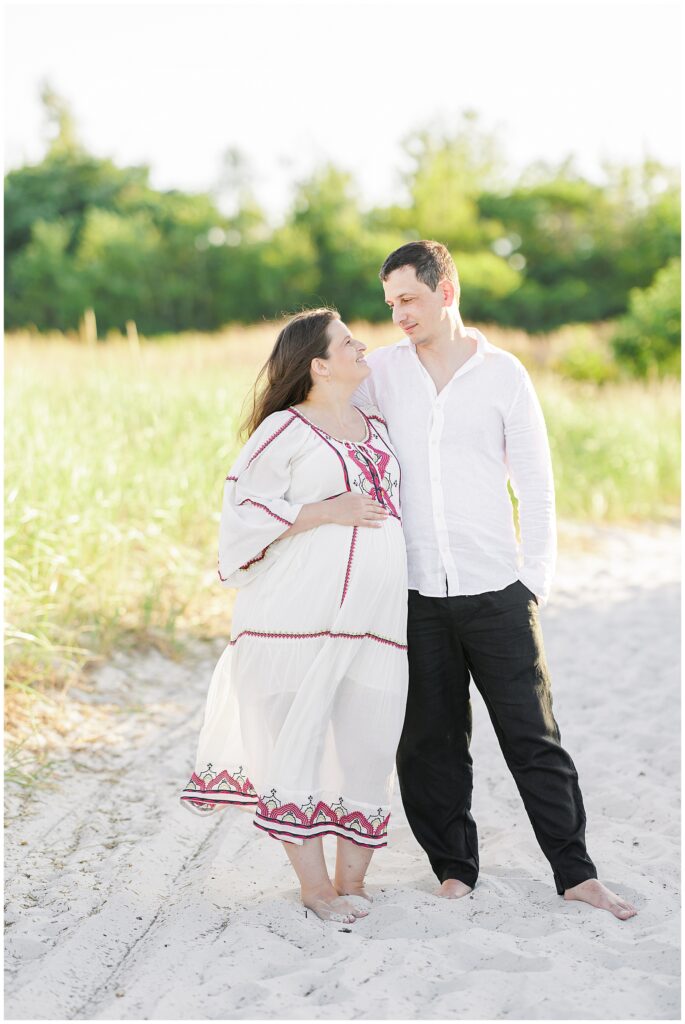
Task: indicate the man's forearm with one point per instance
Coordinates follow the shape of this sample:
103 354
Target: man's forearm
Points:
530 470
539 549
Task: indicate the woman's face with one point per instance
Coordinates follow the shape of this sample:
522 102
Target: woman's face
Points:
345 363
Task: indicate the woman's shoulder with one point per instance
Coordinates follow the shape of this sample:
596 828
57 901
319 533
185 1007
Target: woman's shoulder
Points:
278 420
282 428
372 412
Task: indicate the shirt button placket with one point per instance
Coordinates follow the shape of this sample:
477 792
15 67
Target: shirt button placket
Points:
437 495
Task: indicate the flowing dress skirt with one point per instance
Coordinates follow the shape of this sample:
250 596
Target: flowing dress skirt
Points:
306 704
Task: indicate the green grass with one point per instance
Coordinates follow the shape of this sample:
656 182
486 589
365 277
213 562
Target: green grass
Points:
615 448
114 471
115 461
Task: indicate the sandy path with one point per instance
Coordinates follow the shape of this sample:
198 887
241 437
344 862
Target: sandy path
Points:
122 905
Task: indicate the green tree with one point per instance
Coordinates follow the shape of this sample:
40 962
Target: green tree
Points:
583 245
117 259
548 249
448 170
43 287
347 251
647 339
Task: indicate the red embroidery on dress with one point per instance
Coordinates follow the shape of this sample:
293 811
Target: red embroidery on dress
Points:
353 544
283 812
383 460
234 478
373 474
310 636
257 504
271 815
337 831
392 454
372 430
257 558
247 565
325 438
269 440
207 791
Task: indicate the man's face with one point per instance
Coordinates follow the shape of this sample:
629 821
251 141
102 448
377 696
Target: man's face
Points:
416 309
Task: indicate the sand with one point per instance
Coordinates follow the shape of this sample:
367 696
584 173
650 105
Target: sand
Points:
122 905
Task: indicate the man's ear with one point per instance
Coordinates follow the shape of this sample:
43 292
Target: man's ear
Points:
448 291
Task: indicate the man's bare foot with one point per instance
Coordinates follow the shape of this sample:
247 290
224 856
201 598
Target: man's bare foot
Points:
353 889
453 889
597 895
329 906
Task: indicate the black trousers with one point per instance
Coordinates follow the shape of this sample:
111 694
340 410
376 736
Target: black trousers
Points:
494 638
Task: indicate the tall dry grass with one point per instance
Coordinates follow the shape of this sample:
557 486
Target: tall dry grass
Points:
115 460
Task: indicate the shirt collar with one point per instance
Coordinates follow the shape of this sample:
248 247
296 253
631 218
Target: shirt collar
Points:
482 343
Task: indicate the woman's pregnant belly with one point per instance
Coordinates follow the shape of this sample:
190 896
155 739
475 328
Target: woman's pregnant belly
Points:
328 576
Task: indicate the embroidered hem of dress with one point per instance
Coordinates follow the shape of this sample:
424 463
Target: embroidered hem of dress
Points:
358 838
258 634
288 820
206 791
295 822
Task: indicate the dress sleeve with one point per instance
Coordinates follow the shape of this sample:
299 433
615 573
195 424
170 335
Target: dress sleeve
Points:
255 511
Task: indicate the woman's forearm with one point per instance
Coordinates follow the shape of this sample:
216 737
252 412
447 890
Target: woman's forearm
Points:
309 516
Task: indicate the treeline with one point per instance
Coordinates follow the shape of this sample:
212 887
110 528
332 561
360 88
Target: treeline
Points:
548 249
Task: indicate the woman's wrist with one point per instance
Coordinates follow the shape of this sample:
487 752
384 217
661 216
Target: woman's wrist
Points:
323 512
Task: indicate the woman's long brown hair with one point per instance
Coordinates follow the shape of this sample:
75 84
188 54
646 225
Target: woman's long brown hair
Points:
285 378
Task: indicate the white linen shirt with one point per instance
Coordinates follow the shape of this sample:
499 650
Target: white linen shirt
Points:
457 450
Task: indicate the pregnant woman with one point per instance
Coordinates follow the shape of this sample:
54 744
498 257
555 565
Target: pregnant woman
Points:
306 704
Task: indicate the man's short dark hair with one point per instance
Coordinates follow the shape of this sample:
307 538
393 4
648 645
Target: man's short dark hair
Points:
431 261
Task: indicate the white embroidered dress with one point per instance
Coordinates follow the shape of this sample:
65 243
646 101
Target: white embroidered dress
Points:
306 704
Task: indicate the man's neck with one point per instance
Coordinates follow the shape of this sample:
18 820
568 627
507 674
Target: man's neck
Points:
451 344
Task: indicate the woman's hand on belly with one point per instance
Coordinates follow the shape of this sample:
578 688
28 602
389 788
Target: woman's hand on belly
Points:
356 510
344 510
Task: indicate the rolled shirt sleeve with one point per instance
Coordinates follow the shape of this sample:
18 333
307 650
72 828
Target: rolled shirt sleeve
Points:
529 465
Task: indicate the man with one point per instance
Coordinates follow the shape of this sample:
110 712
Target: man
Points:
464 419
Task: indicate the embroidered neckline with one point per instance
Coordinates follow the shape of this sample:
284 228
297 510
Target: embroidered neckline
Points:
340 440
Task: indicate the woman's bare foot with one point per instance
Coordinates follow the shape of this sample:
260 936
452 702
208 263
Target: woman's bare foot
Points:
453 889
353 889
330 906
351 864
597 895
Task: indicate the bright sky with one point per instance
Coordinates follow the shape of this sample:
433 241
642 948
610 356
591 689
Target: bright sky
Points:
294 84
